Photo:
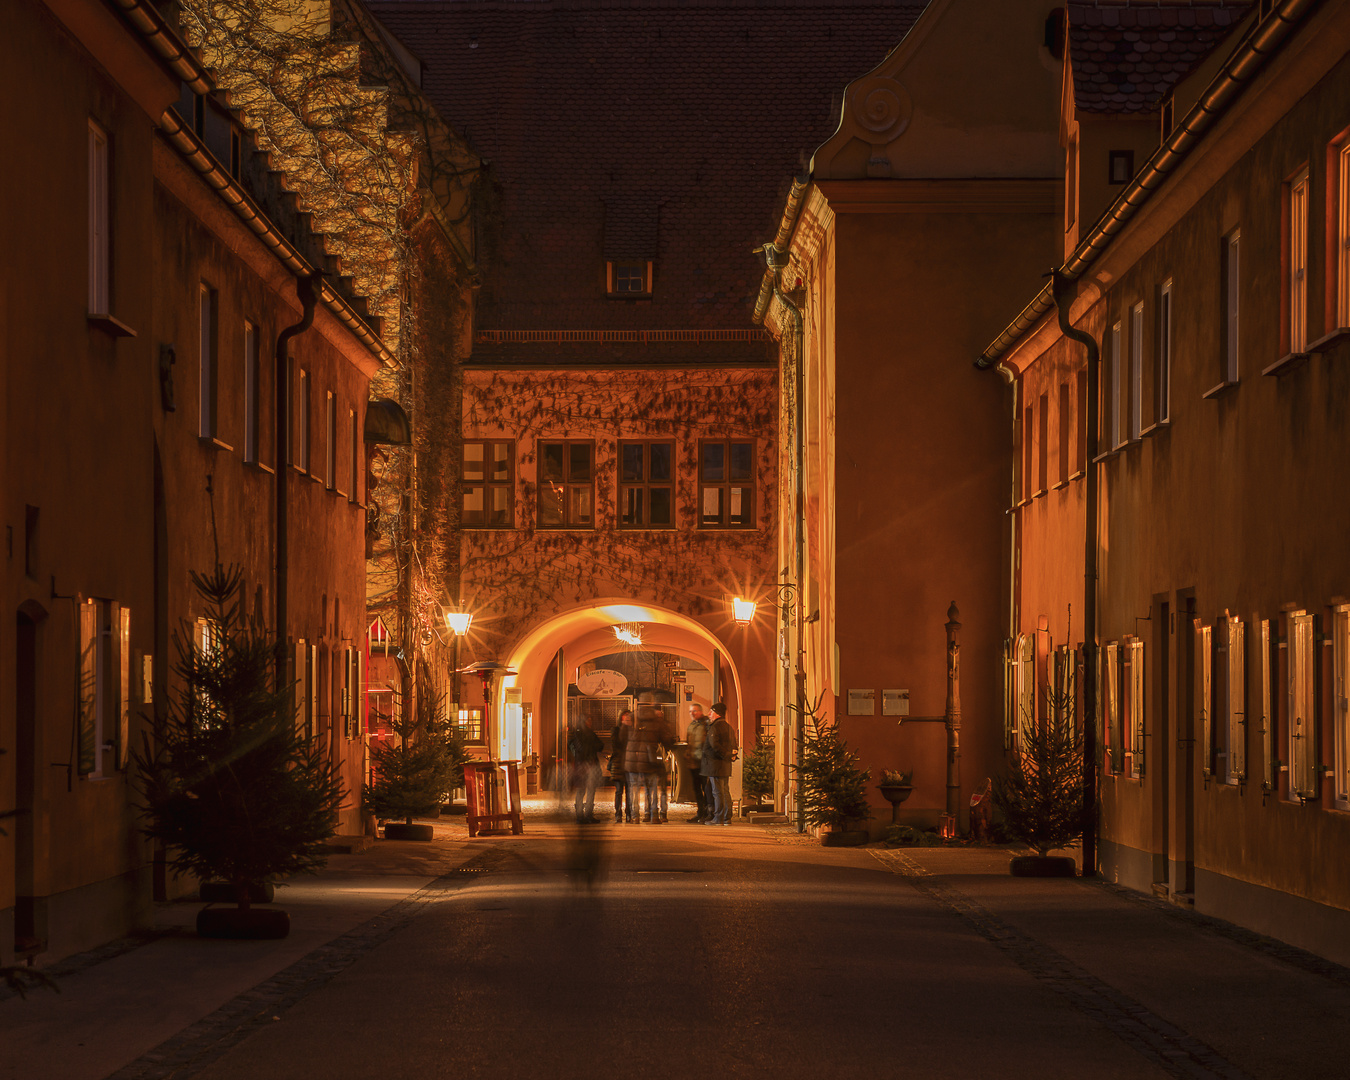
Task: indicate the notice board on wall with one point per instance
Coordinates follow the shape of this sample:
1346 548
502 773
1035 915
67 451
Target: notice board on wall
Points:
862 703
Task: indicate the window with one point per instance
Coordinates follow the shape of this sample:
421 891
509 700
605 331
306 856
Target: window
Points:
1231 755
252 377
629 278
566 485
1111 705
1163 375
354 491
1297 287
1028 426
304 693
646 485
1302 704
104 699
1024 684
302 426
206 360
1265 703
1081 461
470 723
1204 694
1135 688
1113 388
486 487
1340 702
1231 342
1342 253
204 639
330 445
1043 447
1065 433
99 247
1136 370
1120 167
726 474
351 694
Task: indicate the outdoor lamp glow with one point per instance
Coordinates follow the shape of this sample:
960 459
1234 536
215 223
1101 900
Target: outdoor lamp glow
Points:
743 611
458 621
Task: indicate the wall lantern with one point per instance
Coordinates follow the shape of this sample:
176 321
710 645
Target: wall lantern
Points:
458 621
743 611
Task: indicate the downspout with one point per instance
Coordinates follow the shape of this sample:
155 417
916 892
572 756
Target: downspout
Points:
1059 285
307 291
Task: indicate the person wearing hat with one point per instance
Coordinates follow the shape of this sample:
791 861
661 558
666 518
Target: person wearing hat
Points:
718 753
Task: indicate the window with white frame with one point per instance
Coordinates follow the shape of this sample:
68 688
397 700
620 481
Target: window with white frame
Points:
99 246
1163 373
206 360
1203 691
1265 701
1113 387
1297 287
1342 254
1111 705
1301 707
303 424
1136 370
1340 704
104 698
1232 673
1134 685
252 377
1231 338
330 458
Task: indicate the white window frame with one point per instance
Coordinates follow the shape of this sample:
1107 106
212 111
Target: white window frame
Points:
1301 707
1164 365
1266 701
1133 733
1233 306
1340 648
206 360
1117 364
1114 732
1204 694
1136 370
1235 704
252 373
1298 262
99 246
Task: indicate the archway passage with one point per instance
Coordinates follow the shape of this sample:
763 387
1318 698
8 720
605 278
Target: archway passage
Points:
532 704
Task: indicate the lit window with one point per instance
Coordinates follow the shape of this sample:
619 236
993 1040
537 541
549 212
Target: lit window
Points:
632 278
470 724
1163 380
252 373
1204 694
566 485
1232 655
206 360
1340 647
726 484
1136 370
486 487
1133 684
1298 263
646 485
1232 341
1110 697
1301 707
98 221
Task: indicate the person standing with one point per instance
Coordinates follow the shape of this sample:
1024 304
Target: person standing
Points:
618 749
696 736
585 746
718 754
642 761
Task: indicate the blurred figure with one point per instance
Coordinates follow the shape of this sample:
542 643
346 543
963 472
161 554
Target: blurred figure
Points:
695 737
718 754
666 738
585 746
644 763
618 747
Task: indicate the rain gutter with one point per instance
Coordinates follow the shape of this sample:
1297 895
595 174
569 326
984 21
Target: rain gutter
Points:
1240 68
171 48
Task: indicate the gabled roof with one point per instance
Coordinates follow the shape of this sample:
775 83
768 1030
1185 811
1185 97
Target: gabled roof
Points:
1127 56
612 126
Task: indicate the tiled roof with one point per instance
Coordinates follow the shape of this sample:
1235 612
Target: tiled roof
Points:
612 126
1127 56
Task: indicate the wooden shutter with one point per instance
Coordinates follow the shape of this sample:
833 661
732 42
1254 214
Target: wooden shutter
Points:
122 665
1340 702
1302 707
1204 694
1111 684
1137 707
1026 687
1237 699
1264 701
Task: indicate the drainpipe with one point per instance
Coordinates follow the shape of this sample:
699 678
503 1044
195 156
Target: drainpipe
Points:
1059 285
307 291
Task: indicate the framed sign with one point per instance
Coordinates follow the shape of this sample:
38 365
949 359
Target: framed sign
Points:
895 703
862 703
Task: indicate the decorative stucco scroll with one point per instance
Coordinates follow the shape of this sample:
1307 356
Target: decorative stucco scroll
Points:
881 107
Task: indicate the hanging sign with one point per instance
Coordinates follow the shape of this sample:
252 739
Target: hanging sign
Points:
679 674
602 683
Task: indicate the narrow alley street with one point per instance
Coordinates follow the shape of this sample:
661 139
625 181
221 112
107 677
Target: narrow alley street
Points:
693 952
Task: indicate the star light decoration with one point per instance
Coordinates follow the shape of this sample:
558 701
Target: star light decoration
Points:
629 634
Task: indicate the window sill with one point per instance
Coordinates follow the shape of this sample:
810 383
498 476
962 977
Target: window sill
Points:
1106 455
1078 474
111 326
646 528
1153 429
261 467
1038 494
628 296
1331 340
1287 363
211 442
1215 391
494 528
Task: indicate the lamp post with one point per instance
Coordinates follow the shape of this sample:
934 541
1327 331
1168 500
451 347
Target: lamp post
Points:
743 612
457 621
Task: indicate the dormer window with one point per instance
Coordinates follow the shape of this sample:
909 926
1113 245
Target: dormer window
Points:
1120 167
629 277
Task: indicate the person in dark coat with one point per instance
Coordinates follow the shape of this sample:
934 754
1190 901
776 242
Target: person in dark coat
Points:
718 754
644 762
585 746
696 736
618 749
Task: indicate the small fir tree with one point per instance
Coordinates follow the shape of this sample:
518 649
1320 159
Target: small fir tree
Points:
757 770
415 777
1041 796
232 788
834 789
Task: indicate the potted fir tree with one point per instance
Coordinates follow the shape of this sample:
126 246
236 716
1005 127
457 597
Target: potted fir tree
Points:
833 789
232 789
1041 796
415 777
757 774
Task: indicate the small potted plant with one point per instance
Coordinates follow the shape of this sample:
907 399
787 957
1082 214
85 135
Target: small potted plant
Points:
833 789
896 786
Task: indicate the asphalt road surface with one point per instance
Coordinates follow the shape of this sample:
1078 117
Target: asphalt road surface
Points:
681 951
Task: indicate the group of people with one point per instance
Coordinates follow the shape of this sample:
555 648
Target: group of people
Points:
639 762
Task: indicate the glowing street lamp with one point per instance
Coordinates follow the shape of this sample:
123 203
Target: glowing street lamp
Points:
743 611
457 622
